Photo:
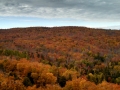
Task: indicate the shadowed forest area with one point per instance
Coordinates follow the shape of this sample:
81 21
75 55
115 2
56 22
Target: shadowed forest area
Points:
59 58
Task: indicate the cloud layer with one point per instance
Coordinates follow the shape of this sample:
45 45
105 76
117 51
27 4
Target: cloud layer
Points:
87 10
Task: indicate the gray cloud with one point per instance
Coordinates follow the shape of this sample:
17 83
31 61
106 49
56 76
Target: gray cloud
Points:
95 10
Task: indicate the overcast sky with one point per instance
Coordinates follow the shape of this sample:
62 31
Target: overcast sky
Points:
90 13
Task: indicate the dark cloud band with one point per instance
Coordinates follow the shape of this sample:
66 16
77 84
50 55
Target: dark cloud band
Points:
97 10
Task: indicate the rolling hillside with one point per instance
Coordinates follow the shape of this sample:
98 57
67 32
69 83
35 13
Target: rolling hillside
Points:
75 52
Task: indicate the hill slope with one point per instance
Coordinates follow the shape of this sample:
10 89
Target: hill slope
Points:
70 41
69 55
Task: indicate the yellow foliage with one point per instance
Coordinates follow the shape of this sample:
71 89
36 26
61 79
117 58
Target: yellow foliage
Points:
79 84
34 75
71 73
46 78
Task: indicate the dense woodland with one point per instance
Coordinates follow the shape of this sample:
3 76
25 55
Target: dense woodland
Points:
59 58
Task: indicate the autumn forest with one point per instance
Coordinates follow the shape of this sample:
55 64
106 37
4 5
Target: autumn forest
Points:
59 58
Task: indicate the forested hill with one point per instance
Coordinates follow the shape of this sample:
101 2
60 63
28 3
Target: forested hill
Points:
62 42
58 58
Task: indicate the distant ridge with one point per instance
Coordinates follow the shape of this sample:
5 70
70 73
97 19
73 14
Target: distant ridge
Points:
59 27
